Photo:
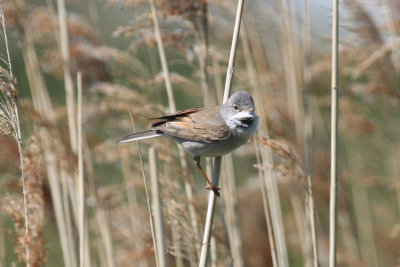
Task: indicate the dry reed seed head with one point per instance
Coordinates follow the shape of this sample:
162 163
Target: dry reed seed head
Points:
176 214
177 38
175 30
82 39
5 127
45 23
190 10
34 177
363 23
8 84
280 147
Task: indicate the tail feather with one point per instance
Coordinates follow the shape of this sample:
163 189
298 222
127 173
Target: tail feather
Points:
139 136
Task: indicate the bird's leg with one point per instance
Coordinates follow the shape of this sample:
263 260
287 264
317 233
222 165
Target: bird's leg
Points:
210 186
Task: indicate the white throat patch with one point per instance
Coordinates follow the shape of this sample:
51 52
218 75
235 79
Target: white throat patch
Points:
235 120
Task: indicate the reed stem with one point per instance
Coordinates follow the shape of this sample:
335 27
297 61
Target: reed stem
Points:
157 208
81 189
217 161
334 134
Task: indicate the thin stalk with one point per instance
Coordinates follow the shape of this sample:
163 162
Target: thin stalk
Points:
205 247
267 213
101 220
217 162
163 57
2 245
145 188
308 125
202 36
364 221
312 221
18 138
21 166
42 104
69 87
274 202
334 134
177 244
157 208
291 66
268 184
231 211
227 234
172 107
81 189
301 222
52 173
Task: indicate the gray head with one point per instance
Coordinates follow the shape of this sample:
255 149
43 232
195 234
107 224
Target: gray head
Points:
241 101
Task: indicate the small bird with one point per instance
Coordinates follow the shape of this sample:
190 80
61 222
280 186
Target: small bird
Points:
206 132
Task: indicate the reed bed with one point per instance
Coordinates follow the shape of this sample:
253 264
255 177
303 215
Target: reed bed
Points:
71 73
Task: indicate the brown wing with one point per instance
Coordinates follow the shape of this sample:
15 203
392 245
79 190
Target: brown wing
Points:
171 117
196 124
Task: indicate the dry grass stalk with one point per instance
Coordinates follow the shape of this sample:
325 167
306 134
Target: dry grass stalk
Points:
172 106
217 160
153 235
267 214
81 182
311 215
2 245
69 87
364 221
163 58
34 242
272 221
291 63
9 108
231 212
43 106
334 134
157 209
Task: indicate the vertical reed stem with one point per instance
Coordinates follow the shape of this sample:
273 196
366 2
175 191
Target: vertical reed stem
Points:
81 190
69 87
172 106
163 58
334 134
18 138
145 188
312 221
217 162
157 208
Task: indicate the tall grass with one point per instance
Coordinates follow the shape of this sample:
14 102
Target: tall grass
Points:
10 119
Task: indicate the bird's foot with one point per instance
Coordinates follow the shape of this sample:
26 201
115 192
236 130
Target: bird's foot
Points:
215 189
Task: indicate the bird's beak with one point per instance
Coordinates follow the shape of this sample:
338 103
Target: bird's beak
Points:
249 110
246 114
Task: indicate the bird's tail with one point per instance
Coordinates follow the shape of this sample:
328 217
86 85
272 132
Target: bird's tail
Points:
139 136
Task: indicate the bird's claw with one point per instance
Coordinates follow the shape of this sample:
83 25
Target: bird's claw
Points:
215 189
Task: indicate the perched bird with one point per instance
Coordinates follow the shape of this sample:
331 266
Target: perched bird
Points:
207 132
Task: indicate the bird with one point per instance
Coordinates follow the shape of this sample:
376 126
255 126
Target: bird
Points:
208 131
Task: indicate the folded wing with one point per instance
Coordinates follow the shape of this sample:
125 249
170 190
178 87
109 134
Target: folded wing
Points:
194 124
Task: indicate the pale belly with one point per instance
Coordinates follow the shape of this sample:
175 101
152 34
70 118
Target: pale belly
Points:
220 147
217 148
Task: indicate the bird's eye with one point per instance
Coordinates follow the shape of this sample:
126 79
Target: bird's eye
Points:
235 107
